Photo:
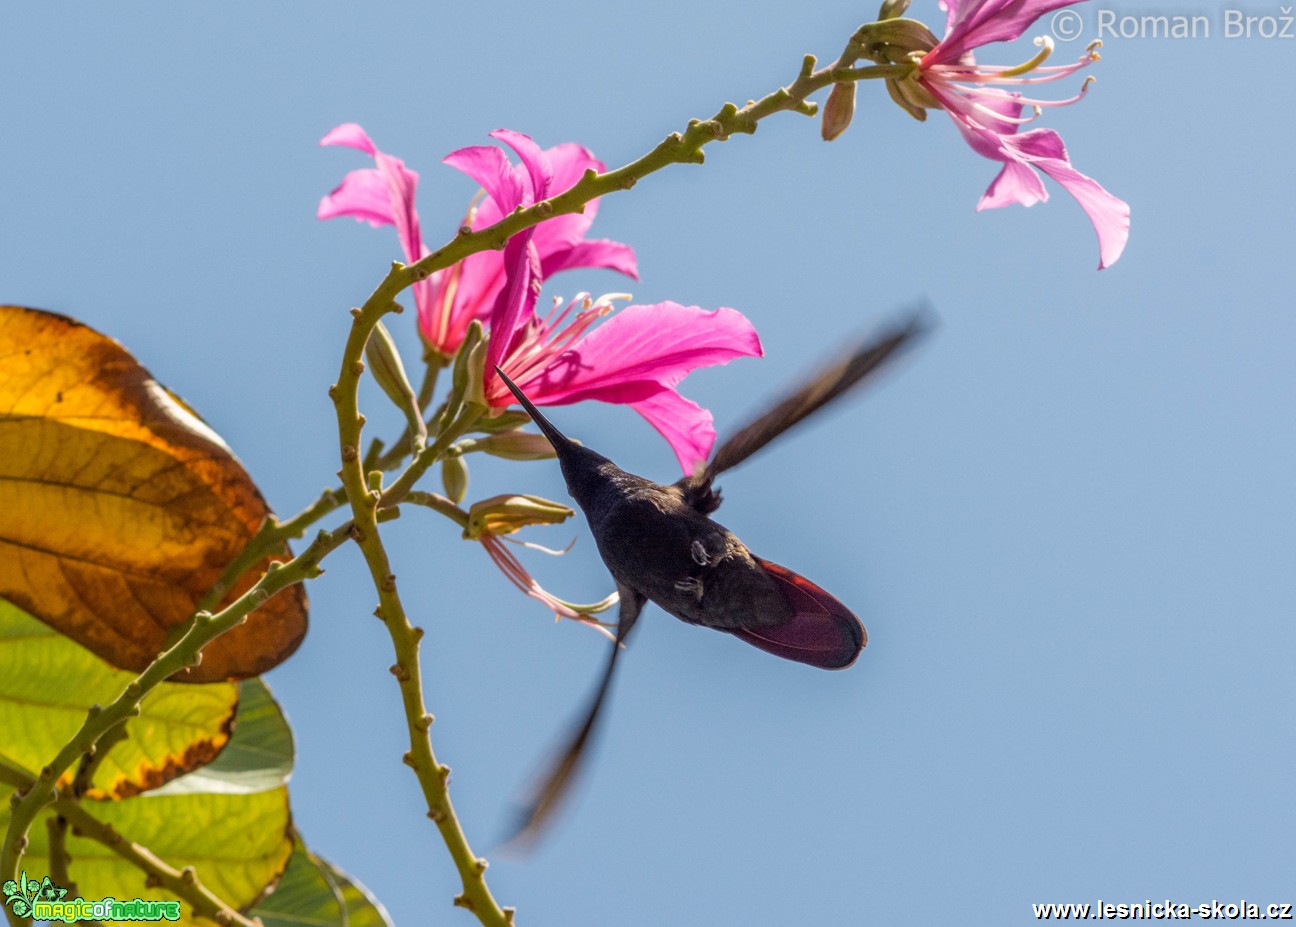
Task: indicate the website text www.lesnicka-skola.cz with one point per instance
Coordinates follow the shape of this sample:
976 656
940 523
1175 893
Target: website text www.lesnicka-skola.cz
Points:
1241 910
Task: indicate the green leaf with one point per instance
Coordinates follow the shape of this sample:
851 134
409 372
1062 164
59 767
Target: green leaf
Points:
48 681
258 758
314 893
229 820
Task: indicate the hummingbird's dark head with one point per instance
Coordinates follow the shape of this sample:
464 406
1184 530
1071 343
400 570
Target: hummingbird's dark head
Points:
587 472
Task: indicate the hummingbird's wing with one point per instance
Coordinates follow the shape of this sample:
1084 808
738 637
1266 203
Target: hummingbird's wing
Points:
551 790
826 386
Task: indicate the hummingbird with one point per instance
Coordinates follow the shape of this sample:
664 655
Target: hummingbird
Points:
661 545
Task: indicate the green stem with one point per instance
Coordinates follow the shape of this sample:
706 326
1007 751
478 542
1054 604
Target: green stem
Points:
432 776
439 503
201 629
676 148
271 538
57 826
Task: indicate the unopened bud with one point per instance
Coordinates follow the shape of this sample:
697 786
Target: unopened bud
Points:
388 371
839 110
895 41
516 445
504 421
893 9
476 389
454 477
460 377
506 514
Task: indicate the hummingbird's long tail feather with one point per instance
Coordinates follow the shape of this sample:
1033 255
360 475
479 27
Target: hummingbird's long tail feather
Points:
822 631
833 382
551 790
556 437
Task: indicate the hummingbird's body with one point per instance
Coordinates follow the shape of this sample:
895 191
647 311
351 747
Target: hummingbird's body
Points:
657 541
660 545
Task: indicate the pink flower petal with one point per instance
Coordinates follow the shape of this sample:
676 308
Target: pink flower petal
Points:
686 426
611 255
973 23
402 187
516 301
642 345
363 195
536 161
490 167
361 192
1109 214
1016 183
350 135
1022 153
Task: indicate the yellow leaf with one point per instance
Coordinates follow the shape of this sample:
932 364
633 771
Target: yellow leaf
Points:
119 507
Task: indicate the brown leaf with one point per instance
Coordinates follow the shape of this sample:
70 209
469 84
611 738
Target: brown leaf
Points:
119 507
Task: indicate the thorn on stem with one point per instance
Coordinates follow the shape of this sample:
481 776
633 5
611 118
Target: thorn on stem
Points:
356 312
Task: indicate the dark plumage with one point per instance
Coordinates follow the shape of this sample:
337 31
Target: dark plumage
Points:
661 545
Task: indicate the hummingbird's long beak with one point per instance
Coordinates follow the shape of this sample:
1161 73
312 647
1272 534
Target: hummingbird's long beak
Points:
559 440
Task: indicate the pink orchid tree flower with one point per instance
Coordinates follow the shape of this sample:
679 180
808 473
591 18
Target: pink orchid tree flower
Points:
453 297
637 357
989 116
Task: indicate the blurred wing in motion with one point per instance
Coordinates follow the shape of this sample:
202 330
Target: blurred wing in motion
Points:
833 382
556 784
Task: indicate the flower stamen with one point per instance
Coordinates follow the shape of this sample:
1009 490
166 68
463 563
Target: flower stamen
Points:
1046 48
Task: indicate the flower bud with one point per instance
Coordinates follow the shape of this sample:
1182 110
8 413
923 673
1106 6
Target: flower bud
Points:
504 421
461 374
454 477
389 373
476 365
506 514
895 41
839 110
516 445
892 9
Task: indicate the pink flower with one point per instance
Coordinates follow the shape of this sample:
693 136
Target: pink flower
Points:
451 298
637 357
989 116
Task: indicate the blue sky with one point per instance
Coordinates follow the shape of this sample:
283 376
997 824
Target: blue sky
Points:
1067 520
